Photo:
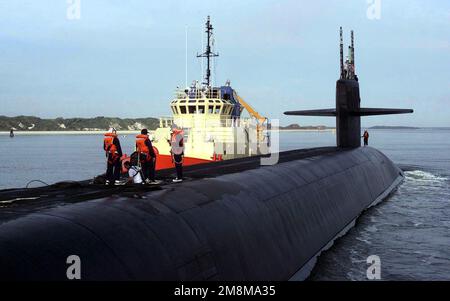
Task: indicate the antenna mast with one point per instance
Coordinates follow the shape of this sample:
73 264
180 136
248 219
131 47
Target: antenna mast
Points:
342 53
208 54
186 59
352 55
348 68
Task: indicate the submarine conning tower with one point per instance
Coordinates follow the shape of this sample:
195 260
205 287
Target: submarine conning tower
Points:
348 109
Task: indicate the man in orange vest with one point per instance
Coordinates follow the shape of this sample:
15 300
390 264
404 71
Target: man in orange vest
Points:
366 138
147 156
113 151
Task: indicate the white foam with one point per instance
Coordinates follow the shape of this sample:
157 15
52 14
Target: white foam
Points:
364 240
421 175
372 228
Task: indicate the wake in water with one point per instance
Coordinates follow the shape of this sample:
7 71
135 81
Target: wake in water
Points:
425 177
410 232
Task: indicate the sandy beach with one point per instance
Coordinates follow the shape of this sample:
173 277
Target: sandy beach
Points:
19 133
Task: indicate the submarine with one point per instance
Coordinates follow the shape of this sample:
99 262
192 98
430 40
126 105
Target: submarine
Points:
232 219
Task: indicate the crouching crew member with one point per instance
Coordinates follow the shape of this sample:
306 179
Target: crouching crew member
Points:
147 156
113 151
134 173
177 151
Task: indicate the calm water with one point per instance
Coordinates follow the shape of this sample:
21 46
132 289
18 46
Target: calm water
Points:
410 232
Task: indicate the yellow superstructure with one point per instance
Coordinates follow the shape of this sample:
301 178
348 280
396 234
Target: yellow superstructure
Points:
212 125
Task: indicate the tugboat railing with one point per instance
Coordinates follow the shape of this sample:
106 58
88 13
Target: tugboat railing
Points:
197 93
167 122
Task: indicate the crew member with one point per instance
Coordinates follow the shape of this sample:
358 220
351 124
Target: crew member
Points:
134 173
147 156
177 151
113 152
366 138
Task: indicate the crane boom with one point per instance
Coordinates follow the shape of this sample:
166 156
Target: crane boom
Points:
261 120
250 110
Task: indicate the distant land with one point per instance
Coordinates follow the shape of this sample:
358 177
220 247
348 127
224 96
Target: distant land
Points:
323 127
100 123
387 127
295 126
31 123
377 127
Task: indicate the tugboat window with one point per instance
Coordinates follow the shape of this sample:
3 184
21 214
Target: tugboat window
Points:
201 109
182 109
218 109
210 109
192 109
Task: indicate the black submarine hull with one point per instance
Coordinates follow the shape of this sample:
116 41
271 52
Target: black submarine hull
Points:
262 223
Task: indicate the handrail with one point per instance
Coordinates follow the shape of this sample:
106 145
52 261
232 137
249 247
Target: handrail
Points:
223 122
198 93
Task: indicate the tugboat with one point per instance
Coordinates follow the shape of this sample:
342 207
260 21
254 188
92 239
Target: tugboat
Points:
211 121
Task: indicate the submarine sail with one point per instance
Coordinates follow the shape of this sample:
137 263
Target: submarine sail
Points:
348 110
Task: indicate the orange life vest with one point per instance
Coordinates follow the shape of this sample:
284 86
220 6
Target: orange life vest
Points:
109 145
140 145
177 142
175 133
156 151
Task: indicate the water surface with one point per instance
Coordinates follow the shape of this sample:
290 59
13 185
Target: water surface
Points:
410 232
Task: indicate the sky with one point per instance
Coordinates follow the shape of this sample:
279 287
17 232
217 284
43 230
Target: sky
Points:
125 58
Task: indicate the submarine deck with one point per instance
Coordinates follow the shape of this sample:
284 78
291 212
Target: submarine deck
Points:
17 202
231 220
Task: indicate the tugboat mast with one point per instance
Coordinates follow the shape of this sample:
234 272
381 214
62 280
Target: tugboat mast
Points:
341 44
208 54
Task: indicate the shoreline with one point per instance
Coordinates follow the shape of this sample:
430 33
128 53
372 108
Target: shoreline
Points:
31 133
24 133
307 130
